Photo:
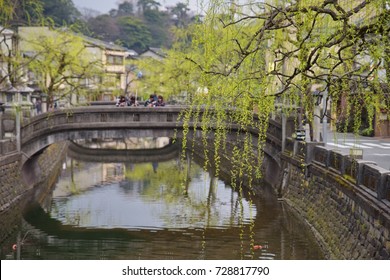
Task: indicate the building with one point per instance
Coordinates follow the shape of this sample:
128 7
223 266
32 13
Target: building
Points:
7 46
112 56
155 53
93 69
14 89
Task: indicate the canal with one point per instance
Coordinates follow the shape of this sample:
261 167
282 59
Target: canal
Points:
106 208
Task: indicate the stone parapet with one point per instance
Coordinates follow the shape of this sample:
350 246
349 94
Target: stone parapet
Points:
359 172
344 199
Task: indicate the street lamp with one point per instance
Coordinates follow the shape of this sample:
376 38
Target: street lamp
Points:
13 96
10 93
25 101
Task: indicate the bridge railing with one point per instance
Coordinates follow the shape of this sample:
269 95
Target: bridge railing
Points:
366 175
375 179
104 116
94 117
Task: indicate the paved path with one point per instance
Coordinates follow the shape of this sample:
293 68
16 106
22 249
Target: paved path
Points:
375 149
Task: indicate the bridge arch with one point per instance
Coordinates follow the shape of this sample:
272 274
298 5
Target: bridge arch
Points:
168 152
97 122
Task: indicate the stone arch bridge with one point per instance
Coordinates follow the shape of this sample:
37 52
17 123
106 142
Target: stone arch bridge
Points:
111 122
101 122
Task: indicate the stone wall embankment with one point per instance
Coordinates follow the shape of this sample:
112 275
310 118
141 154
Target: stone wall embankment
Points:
11 193
344 200
20 184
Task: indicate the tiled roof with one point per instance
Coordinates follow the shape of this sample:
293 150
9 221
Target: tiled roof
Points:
103 44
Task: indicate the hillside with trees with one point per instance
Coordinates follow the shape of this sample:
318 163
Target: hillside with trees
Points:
134 24
139 26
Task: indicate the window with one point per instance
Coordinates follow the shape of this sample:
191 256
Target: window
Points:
114 60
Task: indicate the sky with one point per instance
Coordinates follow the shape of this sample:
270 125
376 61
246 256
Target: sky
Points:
104 6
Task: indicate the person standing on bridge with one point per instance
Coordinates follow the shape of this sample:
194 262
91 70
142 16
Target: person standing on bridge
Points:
38 106
160 101
150 102
133 102
121 102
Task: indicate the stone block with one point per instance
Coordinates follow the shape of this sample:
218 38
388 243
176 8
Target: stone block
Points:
336 160
375 178
321 155
350 169
9 126
301 149
385 255
310 151
7 146
385 190
356 153
361 164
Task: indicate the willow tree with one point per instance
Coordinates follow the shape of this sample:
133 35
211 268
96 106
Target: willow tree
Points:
62 63
250 54
171 76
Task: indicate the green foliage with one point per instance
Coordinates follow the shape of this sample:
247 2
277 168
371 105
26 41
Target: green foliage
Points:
125 9
367 132
27 12
147 5
173 176
149 27
180 11
249 57
130 31
133 33
12 14
158 24
20 12
62 12
104 27
151 81
61 61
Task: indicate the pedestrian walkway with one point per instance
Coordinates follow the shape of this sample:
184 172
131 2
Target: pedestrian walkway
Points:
362 145
376 149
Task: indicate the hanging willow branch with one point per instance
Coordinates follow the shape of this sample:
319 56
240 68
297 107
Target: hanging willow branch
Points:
242 57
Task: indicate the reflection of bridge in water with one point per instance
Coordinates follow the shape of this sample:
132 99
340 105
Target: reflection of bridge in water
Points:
82 153
195 242
37 217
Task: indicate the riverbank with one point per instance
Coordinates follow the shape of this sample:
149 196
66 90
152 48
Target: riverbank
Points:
19 186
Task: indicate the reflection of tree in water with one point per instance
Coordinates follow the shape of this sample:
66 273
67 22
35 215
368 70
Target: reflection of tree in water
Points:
169 177
204 202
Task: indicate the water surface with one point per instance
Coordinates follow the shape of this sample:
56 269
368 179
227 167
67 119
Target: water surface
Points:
146 211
